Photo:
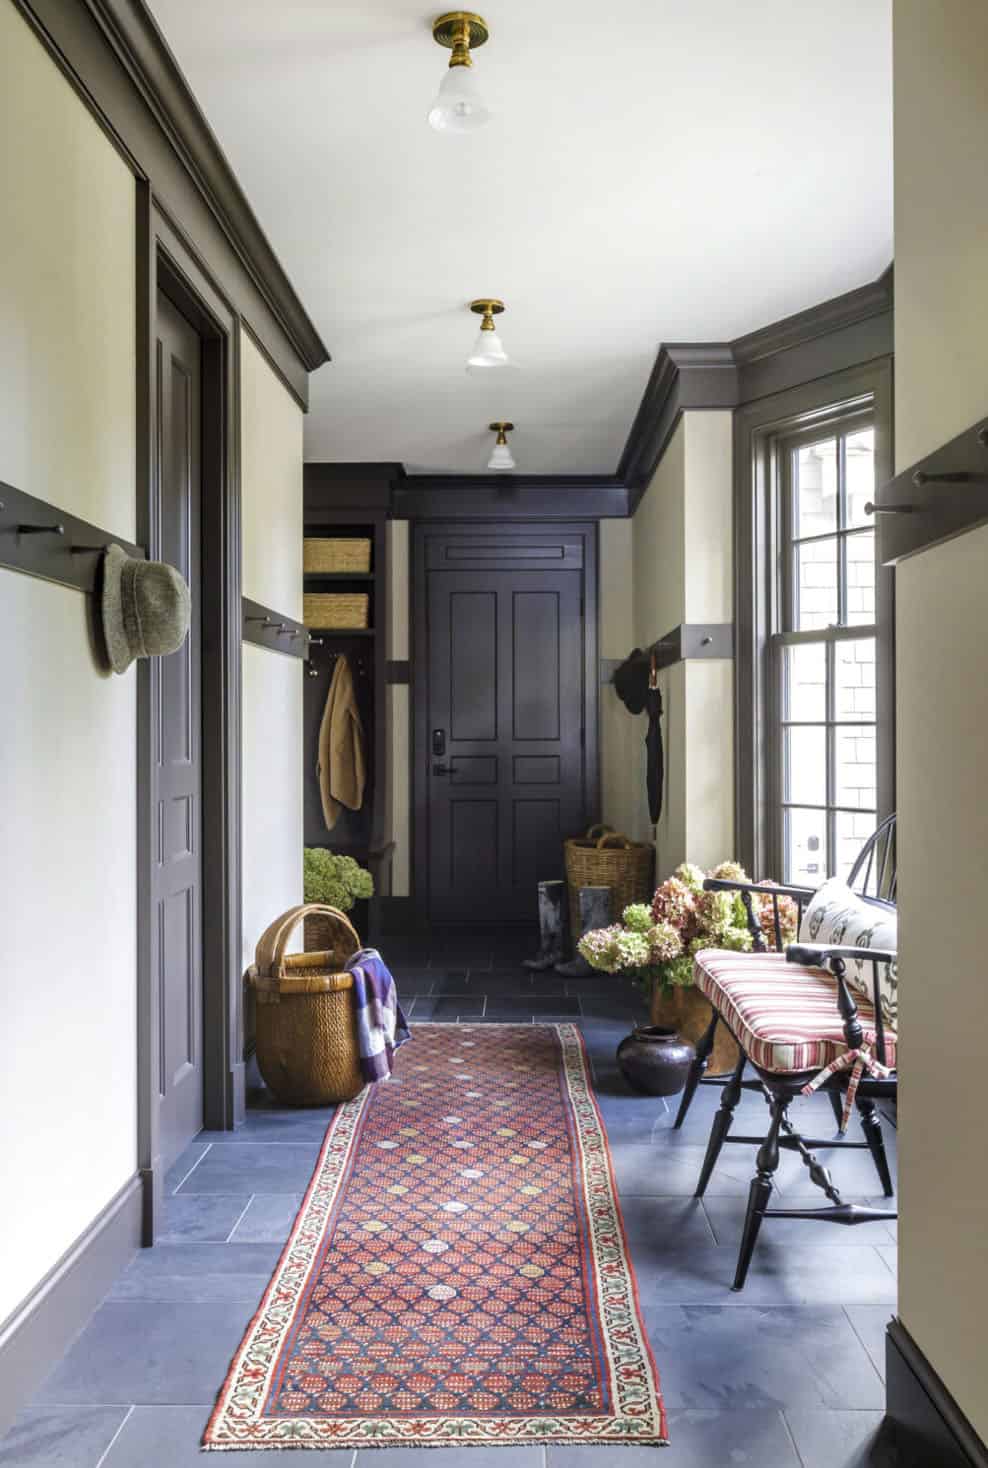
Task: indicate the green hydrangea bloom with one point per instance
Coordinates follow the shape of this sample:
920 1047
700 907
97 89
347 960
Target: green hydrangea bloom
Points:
637 917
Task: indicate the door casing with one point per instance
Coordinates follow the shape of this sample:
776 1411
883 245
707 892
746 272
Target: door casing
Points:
167 260
502 533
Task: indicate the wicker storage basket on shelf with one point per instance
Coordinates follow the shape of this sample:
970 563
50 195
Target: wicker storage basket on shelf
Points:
306 1028
335 609
603 858
330 556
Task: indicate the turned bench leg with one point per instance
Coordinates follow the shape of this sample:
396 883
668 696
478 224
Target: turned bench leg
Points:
729 1098
760 1191
872 1128
697 1068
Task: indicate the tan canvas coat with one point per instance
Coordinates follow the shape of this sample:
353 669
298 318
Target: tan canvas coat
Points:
341 764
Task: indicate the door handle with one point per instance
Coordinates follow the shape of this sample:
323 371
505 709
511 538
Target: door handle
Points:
441 770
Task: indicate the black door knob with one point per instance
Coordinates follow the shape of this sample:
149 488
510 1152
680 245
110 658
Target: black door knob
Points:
441 770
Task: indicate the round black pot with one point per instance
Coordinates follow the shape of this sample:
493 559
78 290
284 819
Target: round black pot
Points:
654 1060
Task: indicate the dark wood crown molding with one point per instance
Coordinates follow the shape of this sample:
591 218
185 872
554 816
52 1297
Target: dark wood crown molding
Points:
509 497
831 337
116 57
151 65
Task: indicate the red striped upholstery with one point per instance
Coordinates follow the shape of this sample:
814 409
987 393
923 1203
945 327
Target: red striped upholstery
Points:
784 1017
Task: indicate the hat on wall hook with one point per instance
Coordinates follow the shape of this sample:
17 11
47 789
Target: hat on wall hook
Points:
146 608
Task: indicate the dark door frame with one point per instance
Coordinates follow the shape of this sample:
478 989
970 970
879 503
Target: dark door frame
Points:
588 532
167 260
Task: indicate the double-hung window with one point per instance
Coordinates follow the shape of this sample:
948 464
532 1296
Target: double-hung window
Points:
824 649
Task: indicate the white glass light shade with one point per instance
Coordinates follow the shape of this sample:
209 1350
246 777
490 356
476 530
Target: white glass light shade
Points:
501 457
488 351
458 107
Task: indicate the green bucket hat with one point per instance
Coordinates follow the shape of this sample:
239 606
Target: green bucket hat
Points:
146 608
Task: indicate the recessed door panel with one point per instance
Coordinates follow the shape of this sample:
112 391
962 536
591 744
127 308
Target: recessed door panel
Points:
506 692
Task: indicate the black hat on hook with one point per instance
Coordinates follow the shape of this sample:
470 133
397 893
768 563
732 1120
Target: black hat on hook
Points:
631 681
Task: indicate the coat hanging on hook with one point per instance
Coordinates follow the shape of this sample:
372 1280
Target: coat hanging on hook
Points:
637 684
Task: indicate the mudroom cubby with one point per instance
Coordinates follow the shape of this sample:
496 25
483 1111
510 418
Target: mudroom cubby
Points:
360 833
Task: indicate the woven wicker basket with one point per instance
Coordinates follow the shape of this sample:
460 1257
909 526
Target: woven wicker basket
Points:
603 858
306 1028
333 557
335 609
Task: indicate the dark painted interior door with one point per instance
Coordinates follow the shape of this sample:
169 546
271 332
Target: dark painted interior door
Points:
505 731
176 697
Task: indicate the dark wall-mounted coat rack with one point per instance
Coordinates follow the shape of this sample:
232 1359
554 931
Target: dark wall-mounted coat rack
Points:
41 540
266 628
940 497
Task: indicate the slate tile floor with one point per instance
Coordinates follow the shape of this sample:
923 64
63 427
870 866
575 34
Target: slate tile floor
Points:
786 1375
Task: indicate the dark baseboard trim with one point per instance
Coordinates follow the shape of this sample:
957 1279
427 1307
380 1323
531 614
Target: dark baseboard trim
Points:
43 1326
929 1426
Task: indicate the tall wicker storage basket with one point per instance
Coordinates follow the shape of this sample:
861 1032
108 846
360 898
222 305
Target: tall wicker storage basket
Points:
306 1029
603 858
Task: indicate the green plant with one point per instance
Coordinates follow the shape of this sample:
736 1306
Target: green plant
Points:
338 881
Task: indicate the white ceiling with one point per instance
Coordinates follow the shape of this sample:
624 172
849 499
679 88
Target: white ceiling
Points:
662 172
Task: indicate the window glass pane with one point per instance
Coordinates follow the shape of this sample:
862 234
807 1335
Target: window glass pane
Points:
855 758
806 681
806 765
860 470
816 584
860 601
815 480
805 847
854 694
852 831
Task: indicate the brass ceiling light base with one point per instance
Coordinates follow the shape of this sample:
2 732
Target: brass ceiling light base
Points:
487 307
501 429
460 30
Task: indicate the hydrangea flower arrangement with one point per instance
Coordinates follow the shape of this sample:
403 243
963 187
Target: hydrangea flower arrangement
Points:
336 880
656 943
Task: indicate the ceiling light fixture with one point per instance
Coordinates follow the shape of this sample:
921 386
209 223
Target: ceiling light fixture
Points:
458 107
488 350
501 456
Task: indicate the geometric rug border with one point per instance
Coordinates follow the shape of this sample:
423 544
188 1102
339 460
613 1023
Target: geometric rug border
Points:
236 1423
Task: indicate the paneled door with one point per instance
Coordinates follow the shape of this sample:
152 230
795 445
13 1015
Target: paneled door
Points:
176 796
505 749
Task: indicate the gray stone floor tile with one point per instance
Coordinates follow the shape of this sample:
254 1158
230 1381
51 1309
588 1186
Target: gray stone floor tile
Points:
748 1356
60 1436
449 1008
651 1224
305 1128
169 1437
199 1273
643 1168
188 1217
184 1164
268 1219
471 1457
135 1352
731 1439
276 1168
840 1439
870 1322
778 1276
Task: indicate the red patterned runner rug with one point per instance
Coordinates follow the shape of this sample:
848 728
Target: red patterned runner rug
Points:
458 1272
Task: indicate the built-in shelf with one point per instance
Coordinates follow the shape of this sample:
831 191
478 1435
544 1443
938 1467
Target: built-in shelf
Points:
343 631
338 576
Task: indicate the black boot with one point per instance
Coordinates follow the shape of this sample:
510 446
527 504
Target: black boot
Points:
595 912
552 896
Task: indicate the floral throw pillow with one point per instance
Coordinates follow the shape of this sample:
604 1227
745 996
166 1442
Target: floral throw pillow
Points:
835 914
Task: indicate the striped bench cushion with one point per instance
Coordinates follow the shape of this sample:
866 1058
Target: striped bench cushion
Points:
784 1016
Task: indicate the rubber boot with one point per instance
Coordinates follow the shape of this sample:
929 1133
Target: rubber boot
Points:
552 898
595 912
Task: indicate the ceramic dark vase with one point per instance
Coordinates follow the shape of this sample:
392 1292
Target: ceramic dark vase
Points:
654 1060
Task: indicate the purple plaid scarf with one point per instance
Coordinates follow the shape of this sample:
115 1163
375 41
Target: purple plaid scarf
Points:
381 1025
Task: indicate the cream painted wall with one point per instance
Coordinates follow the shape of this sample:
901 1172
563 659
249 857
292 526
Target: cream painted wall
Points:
271 487
399 711
271 519
941 370
68 738
682 560
272 786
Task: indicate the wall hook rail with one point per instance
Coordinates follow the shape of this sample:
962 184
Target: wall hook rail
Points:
41 539
265 628
939 497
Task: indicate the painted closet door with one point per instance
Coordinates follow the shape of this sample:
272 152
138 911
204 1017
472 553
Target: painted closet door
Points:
177 864
505 737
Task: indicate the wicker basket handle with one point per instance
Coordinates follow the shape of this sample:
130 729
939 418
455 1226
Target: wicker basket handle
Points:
595 832
270 952
613 841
